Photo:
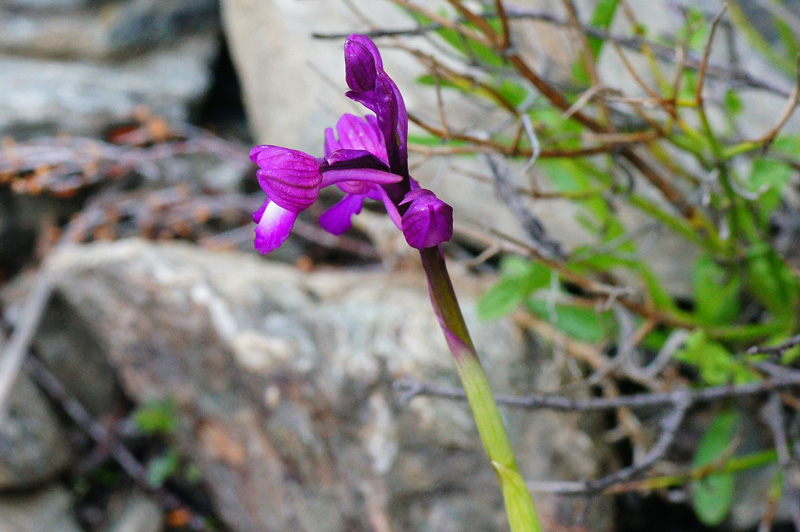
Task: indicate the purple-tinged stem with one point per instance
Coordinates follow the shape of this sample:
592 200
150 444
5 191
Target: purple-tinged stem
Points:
519 505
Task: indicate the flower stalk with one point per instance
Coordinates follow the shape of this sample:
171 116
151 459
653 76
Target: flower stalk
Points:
520 509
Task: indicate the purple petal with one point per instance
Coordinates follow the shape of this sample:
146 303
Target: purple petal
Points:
331 144
255 151
357 133
391 208
290 178
337 219
344 158
362 61
428 221
369 45
373 88
260 212
367 175
273 227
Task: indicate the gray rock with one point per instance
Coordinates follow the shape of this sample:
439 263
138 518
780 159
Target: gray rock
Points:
77 358
140 514
48 509
33 443
54 28
283 382
47 96
45 5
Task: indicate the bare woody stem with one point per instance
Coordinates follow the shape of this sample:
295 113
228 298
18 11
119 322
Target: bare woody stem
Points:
519 505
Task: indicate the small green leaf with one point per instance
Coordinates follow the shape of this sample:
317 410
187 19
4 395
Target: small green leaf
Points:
696 28
712 496
717 366
156 417
716 291
193 474
772 281
768 179
581 323
470 49
601 18
733 103
162 468
788 145
433 140
519 279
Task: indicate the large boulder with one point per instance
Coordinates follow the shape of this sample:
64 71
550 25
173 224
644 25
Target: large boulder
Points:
284 386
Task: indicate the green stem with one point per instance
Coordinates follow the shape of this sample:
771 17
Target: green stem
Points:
520 509
732 465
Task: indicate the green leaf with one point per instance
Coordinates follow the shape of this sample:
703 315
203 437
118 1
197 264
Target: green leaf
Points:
716 291
519 279
156 417
581 323
514 92
717 366
433 140
768 179
712 496
772 281
788 145
470 49
601 18
788 37
696 27
733 103
162 468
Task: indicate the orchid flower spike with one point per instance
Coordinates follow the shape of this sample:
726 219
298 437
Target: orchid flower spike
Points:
367 158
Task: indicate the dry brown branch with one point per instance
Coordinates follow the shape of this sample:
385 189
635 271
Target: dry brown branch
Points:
501 14
530 224
701 72
636 43
442 21
479 22
513 150
788 110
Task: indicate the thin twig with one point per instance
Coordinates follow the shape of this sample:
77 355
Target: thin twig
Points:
669 429
772 413
25 328
662 52
788 110
501 14
126 460
532 226
701 72
791 379
779 349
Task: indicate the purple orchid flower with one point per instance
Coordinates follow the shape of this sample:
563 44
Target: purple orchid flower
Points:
367 158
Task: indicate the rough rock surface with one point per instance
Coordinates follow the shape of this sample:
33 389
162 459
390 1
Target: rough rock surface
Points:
33 447
99 30
139 514
49 96
284 386
80 67
47 509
